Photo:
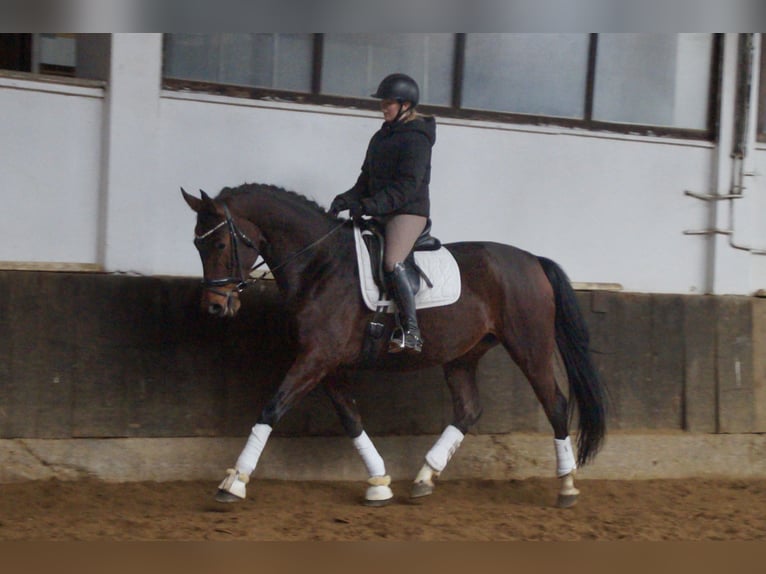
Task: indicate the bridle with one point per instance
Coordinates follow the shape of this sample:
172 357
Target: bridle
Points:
236 235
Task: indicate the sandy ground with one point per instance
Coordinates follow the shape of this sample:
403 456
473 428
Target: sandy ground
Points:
522 510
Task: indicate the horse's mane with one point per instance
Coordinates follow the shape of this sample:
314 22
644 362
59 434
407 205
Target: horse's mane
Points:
290 196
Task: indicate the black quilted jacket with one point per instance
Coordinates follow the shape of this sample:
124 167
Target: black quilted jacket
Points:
397 169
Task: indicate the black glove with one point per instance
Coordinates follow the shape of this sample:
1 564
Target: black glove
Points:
338 204
356 210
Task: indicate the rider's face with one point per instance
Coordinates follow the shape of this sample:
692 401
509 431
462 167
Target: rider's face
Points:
390 109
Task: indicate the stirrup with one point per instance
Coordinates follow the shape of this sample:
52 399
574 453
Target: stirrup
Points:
404 341
413 342
396 342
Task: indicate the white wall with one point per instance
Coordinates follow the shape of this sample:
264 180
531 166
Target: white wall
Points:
609 208
49 171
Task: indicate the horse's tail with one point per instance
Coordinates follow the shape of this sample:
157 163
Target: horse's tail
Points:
584 383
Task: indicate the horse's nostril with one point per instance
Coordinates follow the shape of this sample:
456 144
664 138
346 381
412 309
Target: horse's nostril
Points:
215 309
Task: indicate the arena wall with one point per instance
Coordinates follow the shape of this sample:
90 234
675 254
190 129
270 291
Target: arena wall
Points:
86 357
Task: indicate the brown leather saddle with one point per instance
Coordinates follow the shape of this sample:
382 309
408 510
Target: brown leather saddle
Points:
373 234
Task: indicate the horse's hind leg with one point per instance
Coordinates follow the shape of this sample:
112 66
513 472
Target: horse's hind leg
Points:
565 458
540 373
461 380
379 490
555 407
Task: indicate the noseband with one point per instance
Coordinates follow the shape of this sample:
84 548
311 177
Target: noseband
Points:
236 235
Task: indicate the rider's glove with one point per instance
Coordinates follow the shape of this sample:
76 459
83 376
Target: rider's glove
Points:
338 204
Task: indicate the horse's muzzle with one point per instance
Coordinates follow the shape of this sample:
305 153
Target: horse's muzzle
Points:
221 302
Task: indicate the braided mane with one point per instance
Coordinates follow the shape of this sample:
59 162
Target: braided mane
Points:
290 196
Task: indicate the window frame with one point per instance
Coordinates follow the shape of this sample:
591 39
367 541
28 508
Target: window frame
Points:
761 123
456 111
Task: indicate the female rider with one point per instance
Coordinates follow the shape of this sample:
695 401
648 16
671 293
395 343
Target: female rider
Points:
393 188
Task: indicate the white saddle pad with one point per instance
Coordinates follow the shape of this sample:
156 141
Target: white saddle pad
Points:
440 267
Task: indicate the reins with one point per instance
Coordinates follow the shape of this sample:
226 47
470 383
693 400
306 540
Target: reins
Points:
300 252
236 233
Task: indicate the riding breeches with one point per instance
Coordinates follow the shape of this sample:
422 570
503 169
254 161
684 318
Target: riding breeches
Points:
401 233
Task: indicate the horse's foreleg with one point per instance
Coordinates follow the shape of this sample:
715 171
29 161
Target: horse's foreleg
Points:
301 378
379 491
234 486
461 379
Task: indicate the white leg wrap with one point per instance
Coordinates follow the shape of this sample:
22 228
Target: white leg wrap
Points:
442 451
372 460
248 459
565 460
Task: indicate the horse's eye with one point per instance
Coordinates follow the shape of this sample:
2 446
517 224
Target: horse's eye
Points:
220 246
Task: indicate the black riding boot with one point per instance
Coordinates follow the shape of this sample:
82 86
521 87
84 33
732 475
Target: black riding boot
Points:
405 300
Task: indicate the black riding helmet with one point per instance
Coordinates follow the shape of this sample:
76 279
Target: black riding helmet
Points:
399 87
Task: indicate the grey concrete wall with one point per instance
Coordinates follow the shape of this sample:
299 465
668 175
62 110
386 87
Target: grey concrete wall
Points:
626 456
91 355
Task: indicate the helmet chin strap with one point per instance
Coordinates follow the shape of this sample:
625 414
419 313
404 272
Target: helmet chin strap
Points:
401 113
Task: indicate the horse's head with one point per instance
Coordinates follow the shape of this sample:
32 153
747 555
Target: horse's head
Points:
228 246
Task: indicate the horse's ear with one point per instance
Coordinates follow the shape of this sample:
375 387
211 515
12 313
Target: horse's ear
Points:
207 202
199 205
192 201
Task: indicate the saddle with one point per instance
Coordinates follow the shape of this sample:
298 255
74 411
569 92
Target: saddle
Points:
429 264
374 238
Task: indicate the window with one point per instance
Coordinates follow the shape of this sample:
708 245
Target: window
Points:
16 52
68 55
38 53
279 61
661 84
55 54
655 79
538 74
353 64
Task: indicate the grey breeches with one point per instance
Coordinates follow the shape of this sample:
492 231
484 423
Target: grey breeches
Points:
401 233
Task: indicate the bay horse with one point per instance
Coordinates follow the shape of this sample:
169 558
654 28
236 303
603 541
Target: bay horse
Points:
508 297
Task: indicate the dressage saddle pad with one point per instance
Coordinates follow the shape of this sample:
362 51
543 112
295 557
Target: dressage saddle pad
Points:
439 266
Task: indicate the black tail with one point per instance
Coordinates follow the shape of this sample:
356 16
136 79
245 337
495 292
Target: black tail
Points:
584 383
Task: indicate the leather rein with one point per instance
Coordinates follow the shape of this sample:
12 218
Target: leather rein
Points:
236 235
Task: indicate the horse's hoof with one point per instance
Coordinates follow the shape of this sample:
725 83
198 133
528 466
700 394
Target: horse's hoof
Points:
421 489
233 488
566 500
223 496
378 494
378 503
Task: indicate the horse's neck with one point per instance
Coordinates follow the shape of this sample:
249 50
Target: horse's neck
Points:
286 227
290 231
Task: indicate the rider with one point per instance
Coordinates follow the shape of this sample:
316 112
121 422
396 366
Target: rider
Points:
393 188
